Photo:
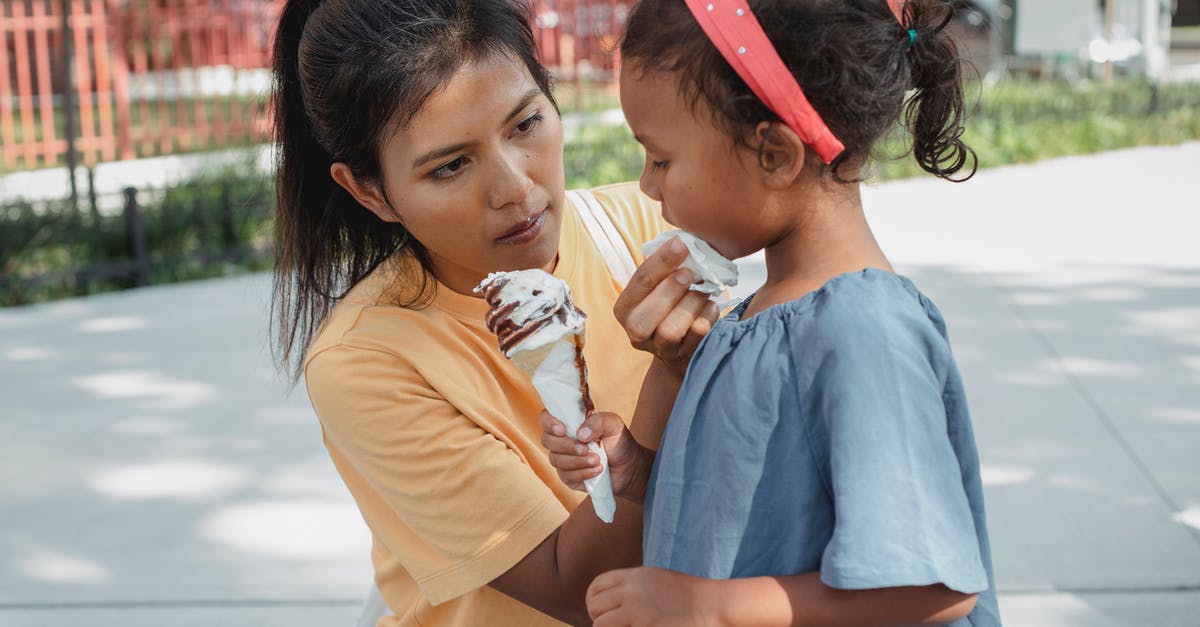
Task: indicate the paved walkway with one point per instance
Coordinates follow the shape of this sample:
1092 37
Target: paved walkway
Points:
156 472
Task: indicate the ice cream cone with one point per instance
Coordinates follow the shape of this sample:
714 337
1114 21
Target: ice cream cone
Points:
541 331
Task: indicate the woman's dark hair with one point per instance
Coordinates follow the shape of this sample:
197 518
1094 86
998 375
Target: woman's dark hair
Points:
852 58
347 72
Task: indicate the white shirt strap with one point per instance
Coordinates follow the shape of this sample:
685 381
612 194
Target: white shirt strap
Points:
604 233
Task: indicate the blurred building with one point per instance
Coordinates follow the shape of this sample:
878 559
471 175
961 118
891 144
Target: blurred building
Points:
1088 37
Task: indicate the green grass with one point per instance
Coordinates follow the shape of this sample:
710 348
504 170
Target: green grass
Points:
1014 122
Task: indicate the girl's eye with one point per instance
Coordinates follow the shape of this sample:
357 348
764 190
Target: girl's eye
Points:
529 123
657 165
450 169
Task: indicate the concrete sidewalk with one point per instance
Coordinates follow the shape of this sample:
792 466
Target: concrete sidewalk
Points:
156 472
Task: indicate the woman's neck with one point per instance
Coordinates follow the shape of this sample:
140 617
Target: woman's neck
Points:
829 236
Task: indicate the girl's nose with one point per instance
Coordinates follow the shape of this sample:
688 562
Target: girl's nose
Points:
512 182
649 183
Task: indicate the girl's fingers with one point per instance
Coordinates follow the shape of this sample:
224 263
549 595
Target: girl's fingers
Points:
550 424
679 321
643 321
564 445
649 275
574 462
602 596
574 478
599 425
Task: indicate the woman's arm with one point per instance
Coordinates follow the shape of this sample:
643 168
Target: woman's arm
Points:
652 596
554 577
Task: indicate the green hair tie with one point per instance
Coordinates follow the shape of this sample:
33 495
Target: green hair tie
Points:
912 37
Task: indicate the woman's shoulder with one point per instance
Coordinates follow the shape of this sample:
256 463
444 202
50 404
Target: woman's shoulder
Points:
637 216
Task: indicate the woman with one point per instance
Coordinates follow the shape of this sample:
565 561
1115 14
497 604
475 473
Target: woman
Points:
420 149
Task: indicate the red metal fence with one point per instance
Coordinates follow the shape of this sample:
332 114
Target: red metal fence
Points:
85 81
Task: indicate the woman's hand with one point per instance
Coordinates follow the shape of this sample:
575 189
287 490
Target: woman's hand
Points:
659 313
628 462
651 596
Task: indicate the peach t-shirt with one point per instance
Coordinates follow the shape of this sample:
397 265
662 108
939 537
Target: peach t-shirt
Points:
435 432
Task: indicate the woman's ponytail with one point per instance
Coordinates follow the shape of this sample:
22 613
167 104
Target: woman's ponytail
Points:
934 112
309 206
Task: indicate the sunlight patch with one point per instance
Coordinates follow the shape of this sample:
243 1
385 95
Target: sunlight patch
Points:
186 480
1176 415
113 325
297 529
58 568
161 392
1189 517
28 353
994 475
1099 367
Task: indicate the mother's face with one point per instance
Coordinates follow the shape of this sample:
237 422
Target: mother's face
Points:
477 175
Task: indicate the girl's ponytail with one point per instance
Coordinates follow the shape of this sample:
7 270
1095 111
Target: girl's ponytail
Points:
934 112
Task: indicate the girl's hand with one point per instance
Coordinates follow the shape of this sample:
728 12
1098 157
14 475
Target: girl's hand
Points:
659 313
628 462
651 596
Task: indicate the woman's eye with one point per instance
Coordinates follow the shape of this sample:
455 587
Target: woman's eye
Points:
529 123
657 165
450 169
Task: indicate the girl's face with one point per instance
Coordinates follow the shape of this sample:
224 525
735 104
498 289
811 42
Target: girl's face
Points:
706 184
477 175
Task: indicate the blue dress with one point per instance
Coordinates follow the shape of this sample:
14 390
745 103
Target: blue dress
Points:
830 434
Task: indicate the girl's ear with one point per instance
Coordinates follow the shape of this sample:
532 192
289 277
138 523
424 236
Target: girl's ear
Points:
781 154
366 194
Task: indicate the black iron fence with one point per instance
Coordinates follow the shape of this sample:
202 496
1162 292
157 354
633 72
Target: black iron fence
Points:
203 228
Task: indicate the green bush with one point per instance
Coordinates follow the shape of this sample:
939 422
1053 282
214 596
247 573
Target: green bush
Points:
221 223
210 226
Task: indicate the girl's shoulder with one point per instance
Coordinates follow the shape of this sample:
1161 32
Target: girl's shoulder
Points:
864 304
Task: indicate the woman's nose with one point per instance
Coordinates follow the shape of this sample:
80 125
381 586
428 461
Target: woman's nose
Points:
512 182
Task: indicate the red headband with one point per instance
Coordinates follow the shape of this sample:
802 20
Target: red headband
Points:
736 33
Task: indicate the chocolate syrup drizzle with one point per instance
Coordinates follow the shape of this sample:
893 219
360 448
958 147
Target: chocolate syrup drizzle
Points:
510 333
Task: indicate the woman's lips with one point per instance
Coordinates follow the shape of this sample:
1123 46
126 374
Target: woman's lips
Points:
525 232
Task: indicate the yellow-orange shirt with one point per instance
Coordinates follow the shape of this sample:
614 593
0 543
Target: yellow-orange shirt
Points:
435 432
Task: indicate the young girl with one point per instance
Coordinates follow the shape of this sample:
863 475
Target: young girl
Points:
818 466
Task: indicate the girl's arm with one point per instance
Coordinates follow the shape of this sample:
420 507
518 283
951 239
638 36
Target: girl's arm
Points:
652 596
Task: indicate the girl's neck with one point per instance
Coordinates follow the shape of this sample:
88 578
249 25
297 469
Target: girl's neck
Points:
829 237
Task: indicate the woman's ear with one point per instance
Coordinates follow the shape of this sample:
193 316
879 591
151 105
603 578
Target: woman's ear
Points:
367 195
781 154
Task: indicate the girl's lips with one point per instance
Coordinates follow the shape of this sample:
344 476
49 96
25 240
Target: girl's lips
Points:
526 231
